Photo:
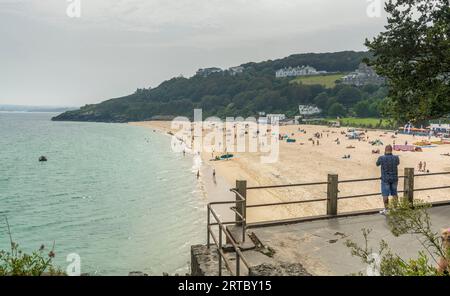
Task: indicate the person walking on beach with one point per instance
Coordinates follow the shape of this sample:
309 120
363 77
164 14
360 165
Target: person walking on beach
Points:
389 176
214 176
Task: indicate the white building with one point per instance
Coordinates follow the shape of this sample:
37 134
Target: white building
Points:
298 71
440 128
262 120
236 70
307 110
362 76
208 71
275 118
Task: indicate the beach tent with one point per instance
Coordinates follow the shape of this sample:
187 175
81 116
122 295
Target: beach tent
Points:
405 148
422 143
355 135
411 130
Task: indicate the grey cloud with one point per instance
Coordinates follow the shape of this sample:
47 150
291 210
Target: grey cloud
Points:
117 45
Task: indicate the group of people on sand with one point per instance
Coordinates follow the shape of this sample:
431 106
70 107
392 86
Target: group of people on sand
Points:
423 167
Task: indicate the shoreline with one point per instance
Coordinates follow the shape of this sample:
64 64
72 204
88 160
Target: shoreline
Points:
211 190
303 162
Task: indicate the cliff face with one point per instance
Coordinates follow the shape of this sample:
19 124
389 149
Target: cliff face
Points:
114 110
91 116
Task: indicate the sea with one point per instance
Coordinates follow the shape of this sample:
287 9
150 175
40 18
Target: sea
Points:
113 194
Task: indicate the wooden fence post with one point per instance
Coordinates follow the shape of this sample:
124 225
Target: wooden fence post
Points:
332 195
408 194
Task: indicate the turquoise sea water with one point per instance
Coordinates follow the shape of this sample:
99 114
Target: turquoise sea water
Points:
112 193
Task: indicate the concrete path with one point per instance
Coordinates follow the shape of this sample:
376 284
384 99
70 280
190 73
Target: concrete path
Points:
319 245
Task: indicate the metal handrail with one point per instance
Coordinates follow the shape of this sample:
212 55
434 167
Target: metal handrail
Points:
220 251
236 247
287 185
431 174
286 203
432 188
365 180
365 195
234 190
240 199
218 242
237 213
226 202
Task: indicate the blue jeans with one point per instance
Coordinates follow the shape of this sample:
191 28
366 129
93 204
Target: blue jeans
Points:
389 188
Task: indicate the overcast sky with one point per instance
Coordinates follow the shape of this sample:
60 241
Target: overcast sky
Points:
116 46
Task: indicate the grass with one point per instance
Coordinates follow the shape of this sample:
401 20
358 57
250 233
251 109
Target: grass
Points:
366 122
328 81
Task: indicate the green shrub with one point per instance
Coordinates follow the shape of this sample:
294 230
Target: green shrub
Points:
17 263
402 220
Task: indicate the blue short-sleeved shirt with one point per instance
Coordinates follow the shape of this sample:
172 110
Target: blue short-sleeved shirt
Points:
389 167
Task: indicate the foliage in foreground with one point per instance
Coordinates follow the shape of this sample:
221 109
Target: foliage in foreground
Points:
414 54
17 263
405 220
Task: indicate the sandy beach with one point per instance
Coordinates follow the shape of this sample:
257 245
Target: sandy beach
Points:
303 162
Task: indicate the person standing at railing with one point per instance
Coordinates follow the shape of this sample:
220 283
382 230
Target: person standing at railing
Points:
389 176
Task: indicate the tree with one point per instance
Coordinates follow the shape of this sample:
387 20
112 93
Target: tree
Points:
414 55
337 109
330 102
370 88
374 109
321 100
255 90
362 109
348 96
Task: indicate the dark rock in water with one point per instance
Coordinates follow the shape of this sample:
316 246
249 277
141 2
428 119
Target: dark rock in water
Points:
137 273
279 269
42 159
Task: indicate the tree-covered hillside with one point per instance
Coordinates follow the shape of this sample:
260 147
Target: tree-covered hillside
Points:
245 94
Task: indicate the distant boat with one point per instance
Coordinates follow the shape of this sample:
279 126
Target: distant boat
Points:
42 159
